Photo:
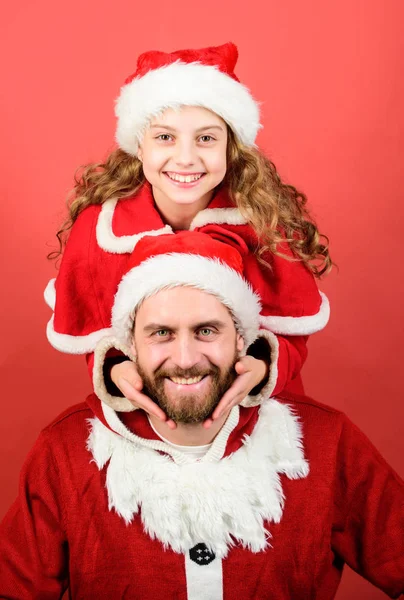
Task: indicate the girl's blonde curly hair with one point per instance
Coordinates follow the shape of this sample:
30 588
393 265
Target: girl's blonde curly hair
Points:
276 211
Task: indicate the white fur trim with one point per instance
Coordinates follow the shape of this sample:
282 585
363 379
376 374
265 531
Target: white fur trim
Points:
172 270
269 387
181 84
74 344
123 244
214 453
229 216
71 344
299 325
118 403
50 294
216 503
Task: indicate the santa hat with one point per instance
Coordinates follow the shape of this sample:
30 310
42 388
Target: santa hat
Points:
187 258
185 78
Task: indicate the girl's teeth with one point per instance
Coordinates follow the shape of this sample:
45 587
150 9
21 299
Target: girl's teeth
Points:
185 381
184 178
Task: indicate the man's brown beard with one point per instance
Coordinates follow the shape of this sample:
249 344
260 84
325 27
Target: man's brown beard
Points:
189 408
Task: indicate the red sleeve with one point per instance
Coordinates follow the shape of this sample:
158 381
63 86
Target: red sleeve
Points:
292 353
368 529
33 545
112 357
292 309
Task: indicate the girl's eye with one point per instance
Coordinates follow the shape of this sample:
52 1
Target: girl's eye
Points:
206 138
164 137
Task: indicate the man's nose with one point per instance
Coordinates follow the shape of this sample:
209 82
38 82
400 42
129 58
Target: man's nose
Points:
185 353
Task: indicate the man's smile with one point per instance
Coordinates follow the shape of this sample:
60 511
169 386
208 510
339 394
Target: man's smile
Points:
191 384
186 380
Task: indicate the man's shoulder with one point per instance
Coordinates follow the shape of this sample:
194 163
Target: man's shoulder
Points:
65 436
315 416
73 417
308 404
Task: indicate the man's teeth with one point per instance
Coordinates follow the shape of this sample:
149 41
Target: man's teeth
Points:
185 380
184 178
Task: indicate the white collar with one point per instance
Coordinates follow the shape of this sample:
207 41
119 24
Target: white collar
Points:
195 452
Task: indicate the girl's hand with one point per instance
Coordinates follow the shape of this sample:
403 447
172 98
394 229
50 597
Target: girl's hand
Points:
128 380
251 371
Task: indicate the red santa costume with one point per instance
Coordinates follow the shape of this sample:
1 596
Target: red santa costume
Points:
286 494
103 237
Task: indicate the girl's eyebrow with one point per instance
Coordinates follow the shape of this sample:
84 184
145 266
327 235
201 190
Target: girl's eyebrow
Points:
161 126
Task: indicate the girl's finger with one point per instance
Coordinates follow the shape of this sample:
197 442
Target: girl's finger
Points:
141 400
238 388
225 404
240 367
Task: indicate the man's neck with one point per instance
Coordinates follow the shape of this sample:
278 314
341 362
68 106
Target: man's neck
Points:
189 434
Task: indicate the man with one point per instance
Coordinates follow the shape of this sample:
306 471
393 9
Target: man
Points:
267 503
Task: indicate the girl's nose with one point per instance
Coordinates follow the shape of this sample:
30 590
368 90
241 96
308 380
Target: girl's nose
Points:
185 156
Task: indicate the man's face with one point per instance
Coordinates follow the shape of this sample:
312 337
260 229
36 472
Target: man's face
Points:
186 345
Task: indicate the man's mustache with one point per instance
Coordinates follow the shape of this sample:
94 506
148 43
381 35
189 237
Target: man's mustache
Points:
194 371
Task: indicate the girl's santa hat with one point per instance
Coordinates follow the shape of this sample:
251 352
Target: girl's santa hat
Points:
185 78
188 258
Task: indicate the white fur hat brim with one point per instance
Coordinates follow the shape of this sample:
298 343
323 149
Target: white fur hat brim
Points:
172 270
184 84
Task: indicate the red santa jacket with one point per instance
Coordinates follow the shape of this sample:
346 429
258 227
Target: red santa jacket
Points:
95 259
286 495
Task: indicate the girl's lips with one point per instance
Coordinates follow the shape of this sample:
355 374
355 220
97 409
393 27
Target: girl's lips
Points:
184 184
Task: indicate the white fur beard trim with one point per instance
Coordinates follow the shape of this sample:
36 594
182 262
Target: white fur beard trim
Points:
217 503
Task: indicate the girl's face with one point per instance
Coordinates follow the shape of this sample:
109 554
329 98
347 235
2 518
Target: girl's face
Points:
184 157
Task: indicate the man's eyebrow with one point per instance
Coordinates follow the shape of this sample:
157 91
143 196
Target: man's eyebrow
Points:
162 126
216 323
155 327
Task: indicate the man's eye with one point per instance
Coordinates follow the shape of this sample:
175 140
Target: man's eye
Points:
161 333
205 332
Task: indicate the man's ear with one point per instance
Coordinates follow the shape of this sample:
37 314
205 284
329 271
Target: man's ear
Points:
132 345
240 343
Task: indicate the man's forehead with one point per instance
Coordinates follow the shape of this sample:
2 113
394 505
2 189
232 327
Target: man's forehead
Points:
183 304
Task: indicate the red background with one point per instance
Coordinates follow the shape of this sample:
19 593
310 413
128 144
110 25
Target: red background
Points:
330 79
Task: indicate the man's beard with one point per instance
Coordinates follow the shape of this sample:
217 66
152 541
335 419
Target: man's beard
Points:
188 407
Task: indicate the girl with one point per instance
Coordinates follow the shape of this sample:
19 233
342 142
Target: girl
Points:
186 159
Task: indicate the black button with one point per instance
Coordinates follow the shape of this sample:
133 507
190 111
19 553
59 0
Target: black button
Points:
201 555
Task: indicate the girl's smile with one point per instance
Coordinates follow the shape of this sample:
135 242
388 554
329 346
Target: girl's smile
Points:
184 179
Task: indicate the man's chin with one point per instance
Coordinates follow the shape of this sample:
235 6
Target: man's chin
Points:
191 403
